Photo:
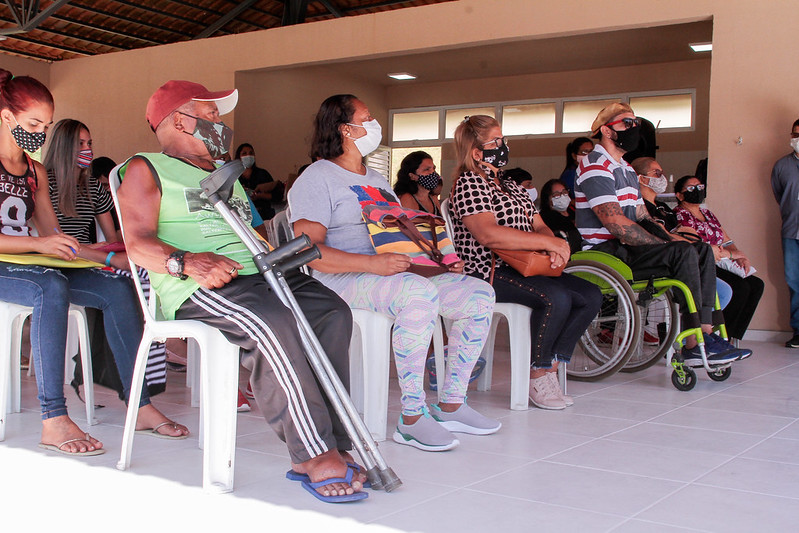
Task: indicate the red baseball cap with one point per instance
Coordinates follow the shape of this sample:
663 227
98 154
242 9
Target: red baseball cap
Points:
175 93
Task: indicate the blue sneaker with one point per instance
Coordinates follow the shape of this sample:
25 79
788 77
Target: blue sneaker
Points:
717 350
430 365
722 344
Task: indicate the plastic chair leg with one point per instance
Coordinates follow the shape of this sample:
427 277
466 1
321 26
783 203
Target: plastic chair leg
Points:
5 368
193 362
82 329
438 352
219 384
372 377
520 346
133 401
15 392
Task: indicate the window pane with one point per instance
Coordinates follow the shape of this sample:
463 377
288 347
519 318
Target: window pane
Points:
413 126
578 116
455 117
398 154
528 119
672 111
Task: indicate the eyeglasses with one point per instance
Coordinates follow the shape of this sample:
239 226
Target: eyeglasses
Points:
628 122
794 135
498 142
657 174
559 194
691 188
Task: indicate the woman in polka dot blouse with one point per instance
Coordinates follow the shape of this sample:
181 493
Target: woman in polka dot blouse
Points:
488 212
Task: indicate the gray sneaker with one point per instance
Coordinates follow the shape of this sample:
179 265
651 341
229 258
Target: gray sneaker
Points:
425 434
465 420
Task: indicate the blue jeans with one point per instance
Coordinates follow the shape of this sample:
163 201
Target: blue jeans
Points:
563 308
50 291
790 252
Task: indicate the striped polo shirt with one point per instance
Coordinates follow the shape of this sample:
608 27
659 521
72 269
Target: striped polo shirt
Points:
601 179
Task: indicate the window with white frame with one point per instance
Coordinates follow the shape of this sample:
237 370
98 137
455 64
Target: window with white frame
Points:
667 110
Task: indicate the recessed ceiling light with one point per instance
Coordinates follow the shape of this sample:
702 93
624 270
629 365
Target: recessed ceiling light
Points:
701 47
402 76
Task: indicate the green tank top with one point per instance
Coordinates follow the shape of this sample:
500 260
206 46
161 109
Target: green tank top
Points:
188 221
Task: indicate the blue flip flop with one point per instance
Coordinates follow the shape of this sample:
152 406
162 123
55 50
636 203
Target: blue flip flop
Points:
354 497
296 476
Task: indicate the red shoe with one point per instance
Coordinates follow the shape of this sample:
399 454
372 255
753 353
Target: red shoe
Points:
244 405
650 339
248 392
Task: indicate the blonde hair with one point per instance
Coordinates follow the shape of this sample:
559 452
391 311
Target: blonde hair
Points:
471 134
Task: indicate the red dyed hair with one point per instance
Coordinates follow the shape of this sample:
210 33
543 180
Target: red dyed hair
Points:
17 94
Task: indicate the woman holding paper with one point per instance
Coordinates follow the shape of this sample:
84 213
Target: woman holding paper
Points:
26 112
732 265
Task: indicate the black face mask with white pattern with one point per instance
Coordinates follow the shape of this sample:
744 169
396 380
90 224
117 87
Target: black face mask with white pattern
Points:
497 157
30 142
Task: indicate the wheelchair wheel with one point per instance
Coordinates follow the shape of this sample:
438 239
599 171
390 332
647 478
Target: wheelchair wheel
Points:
720 375
613 336
660 321
685 382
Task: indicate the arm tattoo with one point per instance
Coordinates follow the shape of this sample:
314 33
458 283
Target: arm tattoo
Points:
621 227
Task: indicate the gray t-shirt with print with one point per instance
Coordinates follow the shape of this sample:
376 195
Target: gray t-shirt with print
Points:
334 197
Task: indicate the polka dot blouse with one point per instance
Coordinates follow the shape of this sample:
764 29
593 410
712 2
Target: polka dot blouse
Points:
474 194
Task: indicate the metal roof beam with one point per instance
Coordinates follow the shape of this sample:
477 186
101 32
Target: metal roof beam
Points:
118 33
330 7
48 44
26 24
92 9
227 17
294 12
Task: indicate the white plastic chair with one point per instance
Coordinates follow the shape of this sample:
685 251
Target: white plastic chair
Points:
12 318
518 318
281 229
219 376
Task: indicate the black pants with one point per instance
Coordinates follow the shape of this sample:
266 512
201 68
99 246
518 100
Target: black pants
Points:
563 307
691 263
746 293
249 314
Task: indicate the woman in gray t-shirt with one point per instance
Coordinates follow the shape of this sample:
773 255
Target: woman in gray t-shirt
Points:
326 203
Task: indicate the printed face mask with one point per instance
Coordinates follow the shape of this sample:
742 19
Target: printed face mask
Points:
30 142
215 135
497 157
369 142
429 181
561 203
248 161
85 158
657 184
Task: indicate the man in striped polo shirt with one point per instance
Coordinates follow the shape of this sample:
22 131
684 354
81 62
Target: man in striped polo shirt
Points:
612 218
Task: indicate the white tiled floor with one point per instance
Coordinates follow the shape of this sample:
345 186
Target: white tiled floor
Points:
633 454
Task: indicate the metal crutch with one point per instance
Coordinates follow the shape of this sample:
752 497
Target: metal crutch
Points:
218 187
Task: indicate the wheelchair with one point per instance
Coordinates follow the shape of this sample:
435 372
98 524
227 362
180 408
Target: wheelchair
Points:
637 325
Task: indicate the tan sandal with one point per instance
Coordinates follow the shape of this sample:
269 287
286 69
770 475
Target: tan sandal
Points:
59 448
154 431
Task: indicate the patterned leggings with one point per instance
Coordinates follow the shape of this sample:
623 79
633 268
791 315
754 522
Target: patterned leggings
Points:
415 303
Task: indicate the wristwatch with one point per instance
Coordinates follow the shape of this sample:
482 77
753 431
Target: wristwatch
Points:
175 265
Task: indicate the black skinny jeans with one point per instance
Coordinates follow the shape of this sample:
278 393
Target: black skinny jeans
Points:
691 263
563 307
746 293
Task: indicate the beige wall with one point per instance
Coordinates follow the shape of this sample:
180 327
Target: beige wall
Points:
20 66
752 84
279 126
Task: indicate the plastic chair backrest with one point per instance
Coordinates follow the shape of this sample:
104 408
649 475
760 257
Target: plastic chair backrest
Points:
447 216
151 308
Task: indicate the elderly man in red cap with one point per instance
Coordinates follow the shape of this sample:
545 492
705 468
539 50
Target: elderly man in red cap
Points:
612 218
201 270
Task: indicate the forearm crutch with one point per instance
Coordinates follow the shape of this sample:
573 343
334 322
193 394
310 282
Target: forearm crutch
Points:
218 187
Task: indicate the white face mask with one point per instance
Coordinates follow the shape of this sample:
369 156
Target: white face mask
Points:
248 161
657 184
795 145
533 194
561 203
369 142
